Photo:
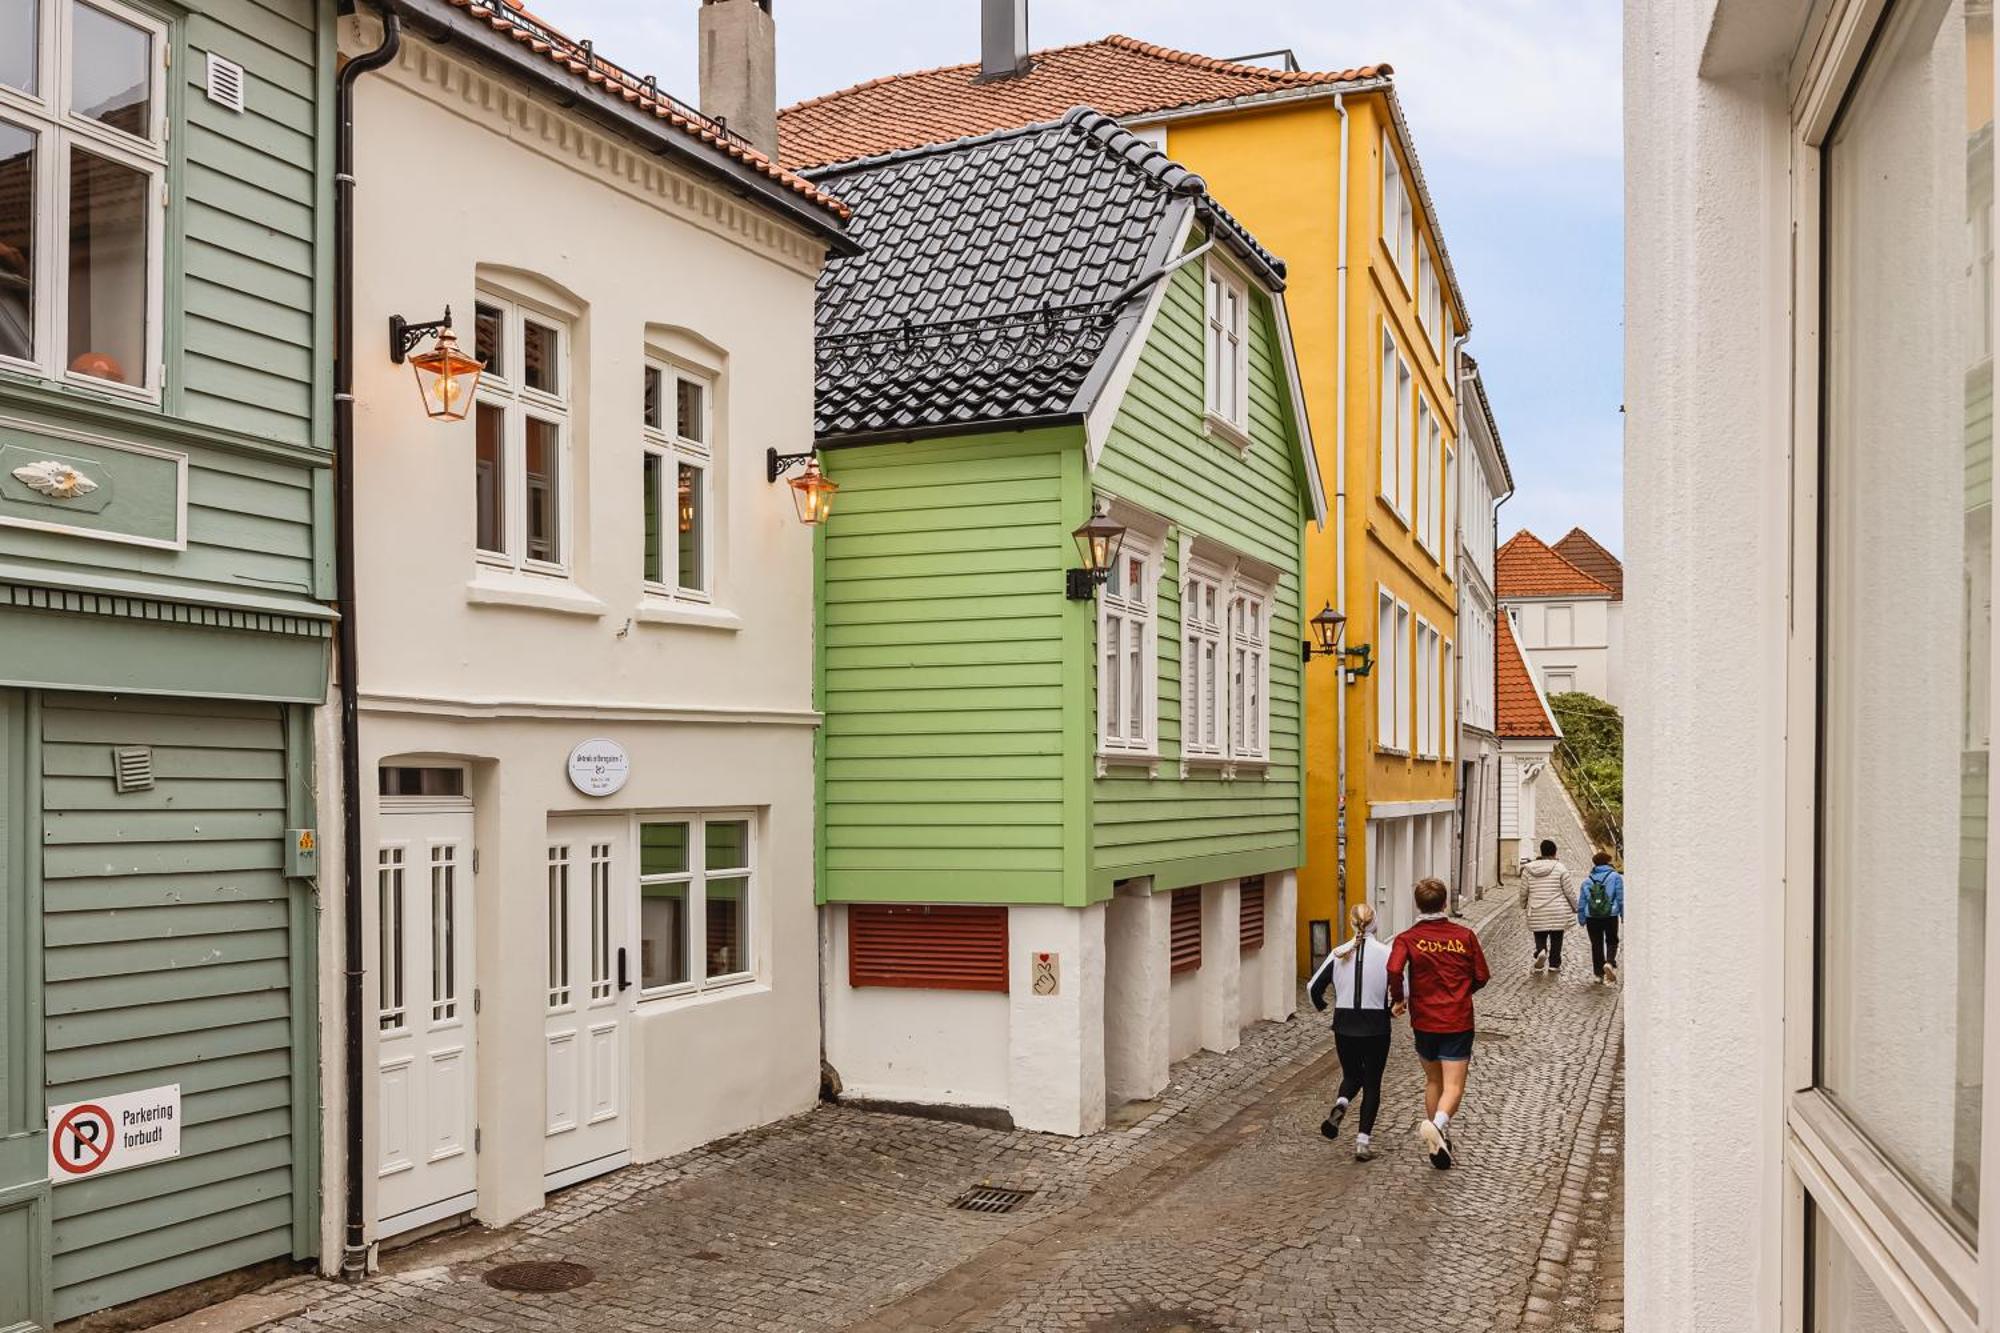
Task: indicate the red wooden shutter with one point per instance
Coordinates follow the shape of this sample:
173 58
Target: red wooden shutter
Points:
926 947
1184 933
1250 912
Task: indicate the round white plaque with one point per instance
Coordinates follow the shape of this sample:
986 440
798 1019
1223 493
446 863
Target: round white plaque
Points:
598 767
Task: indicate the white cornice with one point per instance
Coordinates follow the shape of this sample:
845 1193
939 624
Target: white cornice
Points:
449 707
478 95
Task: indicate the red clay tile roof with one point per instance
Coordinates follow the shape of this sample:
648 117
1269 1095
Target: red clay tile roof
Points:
1581 549
1518 710
1526 567
1120 76
544 39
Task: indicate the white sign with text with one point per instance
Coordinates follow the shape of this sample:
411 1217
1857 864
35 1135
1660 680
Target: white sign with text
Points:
111 1133
598 767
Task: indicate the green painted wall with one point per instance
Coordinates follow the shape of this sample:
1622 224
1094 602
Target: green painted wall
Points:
171 954
24 1189
1199 828
941 660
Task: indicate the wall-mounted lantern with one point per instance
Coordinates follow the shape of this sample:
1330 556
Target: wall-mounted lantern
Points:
446 377
1097 542
812 490
1328 626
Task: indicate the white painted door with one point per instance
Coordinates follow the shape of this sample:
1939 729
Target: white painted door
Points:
422 927
588 984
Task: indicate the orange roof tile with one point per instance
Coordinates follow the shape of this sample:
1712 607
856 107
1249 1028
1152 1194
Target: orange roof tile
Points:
1120 76
585 66
1518 710
1527 567
1581 549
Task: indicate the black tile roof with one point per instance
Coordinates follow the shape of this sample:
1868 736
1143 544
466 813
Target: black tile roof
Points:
996 283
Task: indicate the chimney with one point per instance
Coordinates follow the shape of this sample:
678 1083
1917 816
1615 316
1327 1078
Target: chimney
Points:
739 69
1003 39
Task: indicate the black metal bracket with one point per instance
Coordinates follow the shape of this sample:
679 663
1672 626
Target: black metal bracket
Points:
404 336
1080 585
777 465
1365 651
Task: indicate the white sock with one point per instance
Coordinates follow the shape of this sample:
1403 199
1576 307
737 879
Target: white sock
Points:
1361 1140
1442 1121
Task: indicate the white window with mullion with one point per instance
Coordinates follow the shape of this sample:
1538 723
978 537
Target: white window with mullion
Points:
1427 491
677 431
1249 672
521 461
697 886
1128 654
1204 693
82 193
1397 484
1227 353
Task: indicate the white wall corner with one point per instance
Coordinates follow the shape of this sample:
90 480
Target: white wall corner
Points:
1056 1041
1280 975
1221 973
1137 942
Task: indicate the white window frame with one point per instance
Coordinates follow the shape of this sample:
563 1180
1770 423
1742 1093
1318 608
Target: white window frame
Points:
1116 743
1448 556
1395 425
57 129
1249 642
503 389
1393 668
666 443
696 878
1428 683
1427 287
1427 481
1549 639
1448 701
1398 217
1226 354
1204 663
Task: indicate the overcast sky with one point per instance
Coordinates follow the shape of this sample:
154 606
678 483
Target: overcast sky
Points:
1515 108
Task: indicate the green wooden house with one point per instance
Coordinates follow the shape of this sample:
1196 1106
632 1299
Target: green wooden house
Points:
1060 813
165 557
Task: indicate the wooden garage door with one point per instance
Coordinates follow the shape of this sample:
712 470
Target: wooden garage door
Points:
169 931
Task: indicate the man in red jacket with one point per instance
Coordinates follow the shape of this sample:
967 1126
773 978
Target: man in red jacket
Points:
1445 965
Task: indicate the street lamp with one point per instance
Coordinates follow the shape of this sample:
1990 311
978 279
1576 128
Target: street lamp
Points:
1328 626
446 377
812 490
1097 541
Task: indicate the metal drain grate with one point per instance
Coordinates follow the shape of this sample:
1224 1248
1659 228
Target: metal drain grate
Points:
539 1275
991 1199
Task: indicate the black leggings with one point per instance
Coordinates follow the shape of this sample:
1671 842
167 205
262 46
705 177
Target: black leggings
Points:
1552 941
1362 1060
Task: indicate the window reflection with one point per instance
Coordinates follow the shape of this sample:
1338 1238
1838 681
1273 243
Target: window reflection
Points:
111 71
17 240
107 269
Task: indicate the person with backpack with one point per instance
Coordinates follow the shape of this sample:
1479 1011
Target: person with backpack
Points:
1359 973
1599 908
1548 895
1445 965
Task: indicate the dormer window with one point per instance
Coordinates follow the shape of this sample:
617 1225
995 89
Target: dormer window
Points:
1227 355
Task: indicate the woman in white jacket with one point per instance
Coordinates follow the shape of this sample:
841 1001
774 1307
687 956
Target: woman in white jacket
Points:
1548 895
1358 972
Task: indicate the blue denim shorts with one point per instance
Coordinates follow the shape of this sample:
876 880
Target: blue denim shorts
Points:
1443 1045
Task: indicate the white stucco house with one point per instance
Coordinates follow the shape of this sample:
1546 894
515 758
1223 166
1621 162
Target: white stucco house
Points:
1808 466
1483 486
585 620
1567 621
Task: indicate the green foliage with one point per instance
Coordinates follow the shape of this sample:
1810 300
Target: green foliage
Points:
1591 763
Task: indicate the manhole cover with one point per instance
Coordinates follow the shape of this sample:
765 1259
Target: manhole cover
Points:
991 1199
539 1275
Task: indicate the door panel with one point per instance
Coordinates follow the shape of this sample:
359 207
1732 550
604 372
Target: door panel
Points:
588 903
422 915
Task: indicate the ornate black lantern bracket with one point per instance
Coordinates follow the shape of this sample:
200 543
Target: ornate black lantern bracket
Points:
777 465
404 336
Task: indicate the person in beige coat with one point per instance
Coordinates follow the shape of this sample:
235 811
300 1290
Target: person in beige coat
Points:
1548 895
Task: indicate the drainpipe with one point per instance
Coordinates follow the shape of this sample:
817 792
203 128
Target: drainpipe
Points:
1340 530
354 1253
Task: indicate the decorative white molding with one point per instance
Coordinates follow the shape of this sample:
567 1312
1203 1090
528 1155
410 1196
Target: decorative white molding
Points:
580 710
506 109
1403 809
59 481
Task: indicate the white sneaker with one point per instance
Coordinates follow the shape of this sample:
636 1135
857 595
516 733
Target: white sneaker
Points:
1435 1144
1611 974
1541 962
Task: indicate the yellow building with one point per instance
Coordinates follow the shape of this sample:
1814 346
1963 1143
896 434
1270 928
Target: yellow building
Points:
1320 167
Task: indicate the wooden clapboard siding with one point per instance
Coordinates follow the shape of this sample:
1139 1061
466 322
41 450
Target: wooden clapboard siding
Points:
941 667
1200 827
168 934
24 1191
252 213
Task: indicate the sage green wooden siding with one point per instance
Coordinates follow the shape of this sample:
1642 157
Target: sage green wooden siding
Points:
24 1190
253 201
942 678
1200 828
172 956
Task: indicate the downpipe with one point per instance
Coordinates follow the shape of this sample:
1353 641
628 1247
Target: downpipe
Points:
354 1250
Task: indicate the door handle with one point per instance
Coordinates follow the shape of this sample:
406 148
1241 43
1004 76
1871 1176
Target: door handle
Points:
624 977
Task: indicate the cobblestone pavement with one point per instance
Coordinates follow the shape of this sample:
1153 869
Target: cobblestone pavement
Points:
1218 1207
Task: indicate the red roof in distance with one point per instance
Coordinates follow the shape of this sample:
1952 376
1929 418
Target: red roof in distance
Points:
1518 710
1527 567
1582 550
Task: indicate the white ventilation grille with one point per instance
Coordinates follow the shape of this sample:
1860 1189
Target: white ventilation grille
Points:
225 82
132 768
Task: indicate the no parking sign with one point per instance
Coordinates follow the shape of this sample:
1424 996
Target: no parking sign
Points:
90 1138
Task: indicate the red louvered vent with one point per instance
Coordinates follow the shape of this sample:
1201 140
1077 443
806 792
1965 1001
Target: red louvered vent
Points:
927 948
1185 932
1250 908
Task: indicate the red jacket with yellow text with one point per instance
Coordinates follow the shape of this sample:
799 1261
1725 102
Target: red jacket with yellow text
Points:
1445 965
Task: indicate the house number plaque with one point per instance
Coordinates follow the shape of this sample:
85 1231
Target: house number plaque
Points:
598 767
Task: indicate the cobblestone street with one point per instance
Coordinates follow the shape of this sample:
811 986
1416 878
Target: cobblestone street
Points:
1218 1207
